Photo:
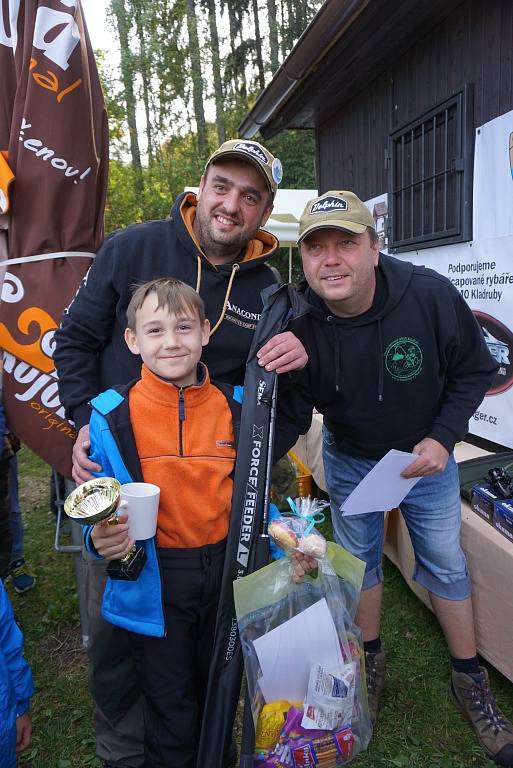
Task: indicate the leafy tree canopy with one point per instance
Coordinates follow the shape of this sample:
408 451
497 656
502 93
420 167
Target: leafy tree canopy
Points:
189 71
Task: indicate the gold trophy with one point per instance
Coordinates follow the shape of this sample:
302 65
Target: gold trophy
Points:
96 501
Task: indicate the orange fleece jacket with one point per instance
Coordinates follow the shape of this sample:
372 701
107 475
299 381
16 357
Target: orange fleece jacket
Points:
185 441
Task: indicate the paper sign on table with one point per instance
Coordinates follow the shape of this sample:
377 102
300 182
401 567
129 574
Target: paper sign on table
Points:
286 654
382 488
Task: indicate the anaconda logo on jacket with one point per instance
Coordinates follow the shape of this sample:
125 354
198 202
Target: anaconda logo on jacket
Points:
241 316
403 358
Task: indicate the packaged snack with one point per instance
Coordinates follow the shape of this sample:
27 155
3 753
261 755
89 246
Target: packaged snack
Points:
293 730
326 751
270 723
298 746
297 530
313 544
283 534
344 741
304 756
329 698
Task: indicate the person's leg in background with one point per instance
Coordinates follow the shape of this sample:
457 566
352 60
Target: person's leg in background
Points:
22 580
432 512
5 520
57 495
113 683
117 701
363 536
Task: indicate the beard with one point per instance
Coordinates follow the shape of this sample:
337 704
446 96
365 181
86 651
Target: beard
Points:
215 240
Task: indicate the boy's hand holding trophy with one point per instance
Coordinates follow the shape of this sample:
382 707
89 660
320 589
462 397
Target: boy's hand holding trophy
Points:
131 508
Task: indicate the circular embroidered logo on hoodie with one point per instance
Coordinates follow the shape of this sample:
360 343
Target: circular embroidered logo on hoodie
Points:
403 358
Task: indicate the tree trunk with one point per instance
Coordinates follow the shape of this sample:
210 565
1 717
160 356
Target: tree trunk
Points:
197 79
216 67
283 39
145 70
232 24
258 46
273 33
302 18
127 72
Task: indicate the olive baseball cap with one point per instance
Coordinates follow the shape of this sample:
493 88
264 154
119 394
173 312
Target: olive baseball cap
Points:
334 209
254 153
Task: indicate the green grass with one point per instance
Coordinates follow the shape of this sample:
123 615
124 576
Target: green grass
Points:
48 614
418 726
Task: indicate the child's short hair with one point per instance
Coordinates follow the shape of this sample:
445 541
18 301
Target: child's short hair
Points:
173 294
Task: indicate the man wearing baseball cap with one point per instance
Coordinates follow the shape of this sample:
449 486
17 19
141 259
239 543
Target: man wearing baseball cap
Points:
396 361
251 152
213 242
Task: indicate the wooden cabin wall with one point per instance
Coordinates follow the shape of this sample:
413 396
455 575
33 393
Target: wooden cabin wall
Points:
473 44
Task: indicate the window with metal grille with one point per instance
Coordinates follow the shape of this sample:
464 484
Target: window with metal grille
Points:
430 177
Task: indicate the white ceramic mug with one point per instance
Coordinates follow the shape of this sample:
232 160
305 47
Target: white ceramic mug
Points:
140 501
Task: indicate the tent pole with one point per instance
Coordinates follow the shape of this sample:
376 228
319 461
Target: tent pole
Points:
290 263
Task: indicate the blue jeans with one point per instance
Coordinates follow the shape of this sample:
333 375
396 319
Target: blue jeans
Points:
431 511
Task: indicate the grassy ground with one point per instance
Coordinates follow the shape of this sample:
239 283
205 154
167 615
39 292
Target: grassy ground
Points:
418 728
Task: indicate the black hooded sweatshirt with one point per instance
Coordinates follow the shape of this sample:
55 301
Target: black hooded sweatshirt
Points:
91 354
414 365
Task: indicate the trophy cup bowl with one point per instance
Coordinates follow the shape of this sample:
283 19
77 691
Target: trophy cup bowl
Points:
96 501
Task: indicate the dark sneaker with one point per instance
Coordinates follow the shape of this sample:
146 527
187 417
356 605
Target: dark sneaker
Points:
375 669
473 697
22 581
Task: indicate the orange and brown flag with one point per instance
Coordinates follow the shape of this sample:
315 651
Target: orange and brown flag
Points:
53 177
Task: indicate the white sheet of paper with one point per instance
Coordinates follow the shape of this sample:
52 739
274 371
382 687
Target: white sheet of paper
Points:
382 488
287 653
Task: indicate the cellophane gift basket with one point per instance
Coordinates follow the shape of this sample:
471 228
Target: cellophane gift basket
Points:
303 653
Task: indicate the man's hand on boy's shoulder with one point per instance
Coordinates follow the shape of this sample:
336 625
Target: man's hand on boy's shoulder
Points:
112 541
83 467
283 353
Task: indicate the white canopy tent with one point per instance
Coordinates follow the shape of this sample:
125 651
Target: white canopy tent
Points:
284 222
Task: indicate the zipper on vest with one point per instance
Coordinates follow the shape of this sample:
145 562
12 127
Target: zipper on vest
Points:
181 417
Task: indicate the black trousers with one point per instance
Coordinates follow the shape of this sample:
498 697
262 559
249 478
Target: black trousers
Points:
174 669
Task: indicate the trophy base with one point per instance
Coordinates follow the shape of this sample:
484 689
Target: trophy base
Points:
129 568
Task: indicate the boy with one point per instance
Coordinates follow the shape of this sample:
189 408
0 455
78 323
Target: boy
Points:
175 428
15 686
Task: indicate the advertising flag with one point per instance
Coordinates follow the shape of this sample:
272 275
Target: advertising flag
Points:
53 177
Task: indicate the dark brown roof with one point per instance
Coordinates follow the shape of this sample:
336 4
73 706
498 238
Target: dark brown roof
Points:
345 47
